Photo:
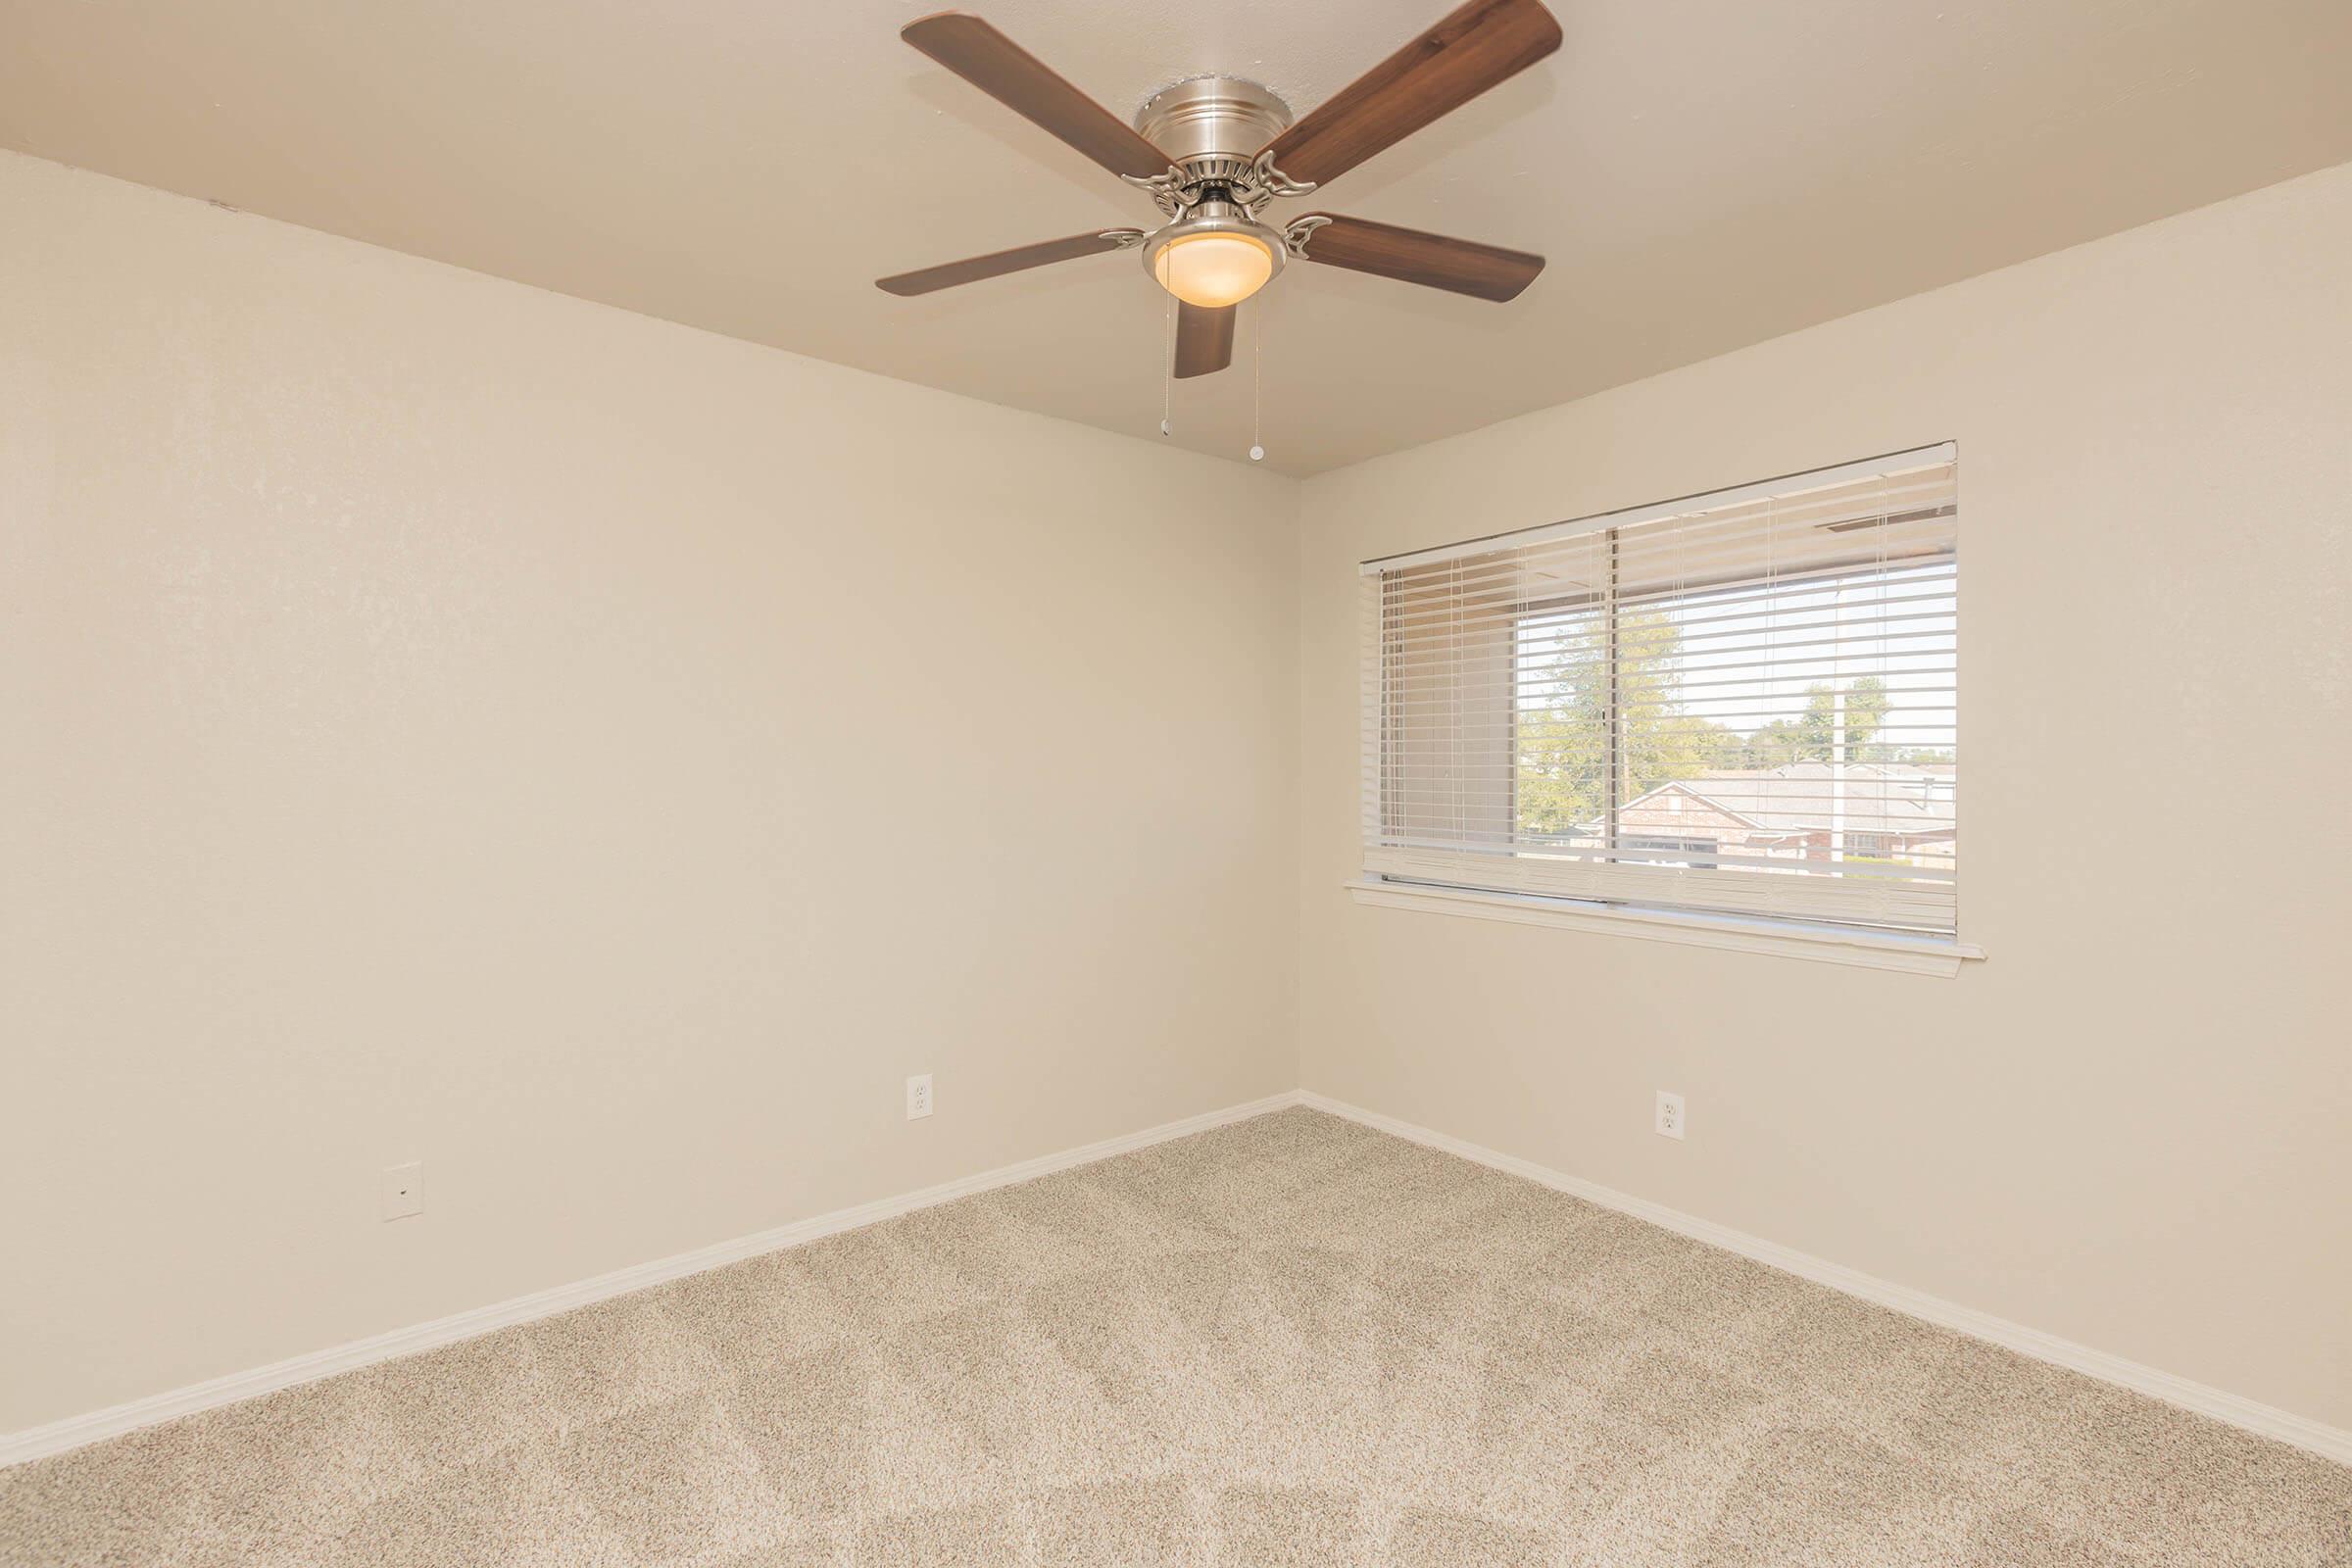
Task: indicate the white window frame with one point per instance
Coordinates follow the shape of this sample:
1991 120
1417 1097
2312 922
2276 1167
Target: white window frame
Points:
1919 953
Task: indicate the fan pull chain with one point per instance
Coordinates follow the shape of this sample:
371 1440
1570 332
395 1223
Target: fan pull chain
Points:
1168 372
1258 360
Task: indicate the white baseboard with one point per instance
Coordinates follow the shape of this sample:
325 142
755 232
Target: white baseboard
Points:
74 1431
2264 1420
2330 1443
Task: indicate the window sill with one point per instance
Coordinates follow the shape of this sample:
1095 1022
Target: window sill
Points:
1869 949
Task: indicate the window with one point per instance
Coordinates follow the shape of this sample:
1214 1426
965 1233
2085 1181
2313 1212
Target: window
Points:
1677 851
1742 702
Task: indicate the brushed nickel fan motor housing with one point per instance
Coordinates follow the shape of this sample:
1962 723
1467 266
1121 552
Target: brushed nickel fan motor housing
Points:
1211 127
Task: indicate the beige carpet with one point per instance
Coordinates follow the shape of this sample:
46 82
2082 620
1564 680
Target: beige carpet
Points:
1290 1341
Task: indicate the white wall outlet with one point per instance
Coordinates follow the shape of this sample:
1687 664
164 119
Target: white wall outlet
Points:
1671 1118
403 1190
918 1097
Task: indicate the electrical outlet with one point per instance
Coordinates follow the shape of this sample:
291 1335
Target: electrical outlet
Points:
1671 1117
918 1097
403 1190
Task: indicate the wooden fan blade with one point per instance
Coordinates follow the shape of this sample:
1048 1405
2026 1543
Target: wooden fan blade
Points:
995 264
1461 266
1203 338
1481 44
1026 85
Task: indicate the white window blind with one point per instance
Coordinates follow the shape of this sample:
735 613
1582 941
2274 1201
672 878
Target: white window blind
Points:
1746 701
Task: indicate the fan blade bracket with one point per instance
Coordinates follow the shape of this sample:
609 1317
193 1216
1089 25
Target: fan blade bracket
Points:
1300 231
1273 182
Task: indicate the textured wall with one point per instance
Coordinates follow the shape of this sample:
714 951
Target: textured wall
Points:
443 719
2127 1127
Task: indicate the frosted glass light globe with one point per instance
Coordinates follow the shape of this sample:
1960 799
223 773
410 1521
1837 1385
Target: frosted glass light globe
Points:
1213 270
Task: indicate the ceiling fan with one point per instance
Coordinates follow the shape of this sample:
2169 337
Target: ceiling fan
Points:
1213 151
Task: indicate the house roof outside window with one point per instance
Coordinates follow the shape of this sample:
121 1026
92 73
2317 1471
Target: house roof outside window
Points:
1896 798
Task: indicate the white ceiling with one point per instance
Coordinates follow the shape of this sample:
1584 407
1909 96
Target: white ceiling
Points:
1702 173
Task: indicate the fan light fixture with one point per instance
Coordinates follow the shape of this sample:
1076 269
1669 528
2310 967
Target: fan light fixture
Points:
1213 270
1215 257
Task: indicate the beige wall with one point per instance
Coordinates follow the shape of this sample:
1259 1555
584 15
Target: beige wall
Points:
443 719
2130 1126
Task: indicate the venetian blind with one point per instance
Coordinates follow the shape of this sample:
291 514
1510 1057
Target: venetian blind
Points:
1746 701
